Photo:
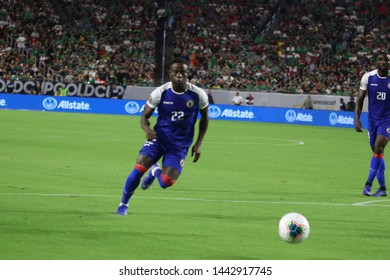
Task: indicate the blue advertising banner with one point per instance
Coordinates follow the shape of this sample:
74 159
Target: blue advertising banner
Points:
219 112
286 115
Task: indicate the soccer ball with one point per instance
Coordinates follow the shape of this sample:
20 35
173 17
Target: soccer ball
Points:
293 228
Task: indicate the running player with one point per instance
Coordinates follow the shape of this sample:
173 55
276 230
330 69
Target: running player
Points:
376 85
178 103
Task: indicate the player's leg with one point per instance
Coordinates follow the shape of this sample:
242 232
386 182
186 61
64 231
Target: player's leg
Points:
381 175
167 176
375 162
147 156
379 147
131 184
172 167
154 150
149 179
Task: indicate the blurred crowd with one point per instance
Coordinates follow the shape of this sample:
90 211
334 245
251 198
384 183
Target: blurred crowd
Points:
95 41
316 47
289 46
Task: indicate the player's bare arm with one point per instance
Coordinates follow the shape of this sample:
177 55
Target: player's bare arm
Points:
145 123
203 124
358 110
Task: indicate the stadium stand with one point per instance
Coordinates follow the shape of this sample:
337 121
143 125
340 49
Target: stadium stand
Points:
288 46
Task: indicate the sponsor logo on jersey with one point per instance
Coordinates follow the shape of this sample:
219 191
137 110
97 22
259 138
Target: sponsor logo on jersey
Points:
374 85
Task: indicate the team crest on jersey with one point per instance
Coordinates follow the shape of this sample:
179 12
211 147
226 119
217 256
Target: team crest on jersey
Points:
182 162
190 103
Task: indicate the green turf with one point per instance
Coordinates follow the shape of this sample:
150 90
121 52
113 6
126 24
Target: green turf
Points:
62 176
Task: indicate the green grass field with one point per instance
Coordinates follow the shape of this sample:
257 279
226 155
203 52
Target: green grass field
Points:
62 176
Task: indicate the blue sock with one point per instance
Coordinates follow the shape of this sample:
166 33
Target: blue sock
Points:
381 175
131 184
376 162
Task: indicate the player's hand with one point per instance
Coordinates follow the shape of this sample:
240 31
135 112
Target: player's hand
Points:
151 134
358 126
195 151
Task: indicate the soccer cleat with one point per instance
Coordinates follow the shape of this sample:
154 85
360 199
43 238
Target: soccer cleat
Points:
149 179
367 190
380 193
122 209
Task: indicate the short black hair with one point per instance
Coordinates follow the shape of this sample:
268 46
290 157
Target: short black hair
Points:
179 60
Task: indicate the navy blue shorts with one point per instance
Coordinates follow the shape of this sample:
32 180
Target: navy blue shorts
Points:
155 150
377 128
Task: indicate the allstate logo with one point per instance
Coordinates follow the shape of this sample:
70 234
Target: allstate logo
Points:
132 107
49 103
333 118
291 116
214 112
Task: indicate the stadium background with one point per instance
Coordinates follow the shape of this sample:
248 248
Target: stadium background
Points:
264 46
275 49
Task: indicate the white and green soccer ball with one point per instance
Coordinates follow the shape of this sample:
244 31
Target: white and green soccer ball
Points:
294 228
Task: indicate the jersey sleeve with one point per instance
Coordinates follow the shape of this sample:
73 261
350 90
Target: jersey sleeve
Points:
364 81
155 97
203 99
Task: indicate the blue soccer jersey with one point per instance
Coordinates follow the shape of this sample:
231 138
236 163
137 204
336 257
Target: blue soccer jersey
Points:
378 92
177 114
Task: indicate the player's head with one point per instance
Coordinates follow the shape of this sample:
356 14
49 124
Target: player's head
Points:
178 73
382 61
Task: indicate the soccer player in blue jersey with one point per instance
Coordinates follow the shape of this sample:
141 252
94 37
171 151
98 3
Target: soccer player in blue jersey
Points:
376 86
178 103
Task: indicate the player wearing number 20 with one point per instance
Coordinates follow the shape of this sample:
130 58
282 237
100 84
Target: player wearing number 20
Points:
376 86
178 103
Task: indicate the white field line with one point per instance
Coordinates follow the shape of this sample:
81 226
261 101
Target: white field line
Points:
261 141
371 203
